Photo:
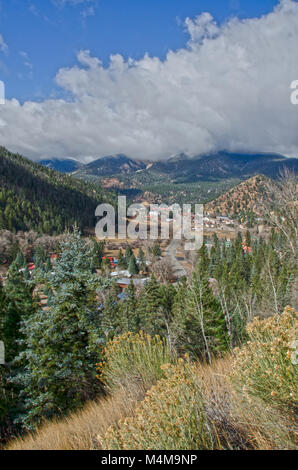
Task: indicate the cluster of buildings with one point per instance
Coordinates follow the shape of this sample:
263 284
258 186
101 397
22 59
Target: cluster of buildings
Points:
220 221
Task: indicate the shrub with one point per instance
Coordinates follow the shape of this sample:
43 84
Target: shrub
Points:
266 367
172 416
130 359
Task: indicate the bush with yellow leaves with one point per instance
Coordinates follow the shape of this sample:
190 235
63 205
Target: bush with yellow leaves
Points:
134 360
266 366
172 416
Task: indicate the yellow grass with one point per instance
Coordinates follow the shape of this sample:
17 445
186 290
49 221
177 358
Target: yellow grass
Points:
79 431
190 405
196 407
238 422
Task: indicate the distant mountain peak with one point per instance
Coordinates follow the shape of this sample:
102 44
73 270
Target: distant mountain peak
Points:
67 165
111 165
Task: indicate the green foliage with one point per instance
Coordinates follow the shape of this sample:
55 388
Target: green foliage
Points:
128 254
98 251
110 315
153 309
172 416
156 250
198 326
18 304
128 315
121 260
132 266
141 259
266 366
134 359
63 343
33 197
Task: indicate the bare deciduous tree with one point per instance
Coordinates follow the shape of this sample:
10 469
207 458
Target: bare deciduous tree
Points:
281 207
162 269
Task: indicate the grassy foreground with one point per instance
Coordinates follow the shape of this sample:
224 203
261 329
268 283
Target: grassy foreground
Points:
247 400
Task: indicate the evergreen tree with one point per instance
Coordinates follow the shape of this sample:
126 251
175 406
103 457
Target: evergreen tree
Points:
109 315
128 315
20 260
121 260
203 261
16 304
98 253
128 254
132 266
141 259
152 309
248 238
62 344
156 250
19 304
48 266
199 326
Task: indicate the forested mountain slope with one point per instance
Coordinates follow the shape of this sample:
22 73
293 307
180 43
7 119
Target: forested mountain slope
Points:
248 196
33 197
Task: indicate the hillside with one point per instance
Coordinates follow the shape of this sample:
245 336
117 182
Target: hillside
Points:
247 197
33 197
186 406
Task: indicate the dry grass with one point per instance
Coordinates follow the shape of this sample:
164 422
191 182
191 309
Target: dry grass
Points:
238 422
79 430
192 405
196 407
242 422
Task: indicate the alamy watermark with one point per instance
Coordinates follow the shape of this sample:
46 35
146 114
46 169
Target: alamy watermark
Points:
2 92
294 94
163 222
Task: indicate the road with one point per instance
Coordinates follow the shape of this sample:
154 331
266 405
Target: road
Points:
170 254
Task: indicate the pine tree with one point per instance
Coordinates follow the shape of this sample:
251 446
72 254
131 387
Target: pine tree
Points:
248 238
19 304
109 316
48 266
151 309
132 266
20 260
203 261
16 304
63 343
128 254
156 250
128 315
98 252
141 259
121 260
199 326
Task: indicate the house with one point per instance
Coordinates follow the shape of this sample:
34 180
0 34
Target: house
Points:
124 283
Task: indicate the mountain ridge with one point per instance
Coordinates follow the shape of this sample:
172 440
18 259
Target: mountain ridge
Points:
184 169
33 197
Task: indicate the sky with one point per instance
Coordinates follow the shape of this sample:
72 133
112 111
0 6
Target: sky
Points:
150 79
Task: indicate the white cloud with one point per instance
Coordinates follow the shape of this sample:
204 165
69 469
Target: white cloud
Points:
26 60
90 11
3 45
72 2
228 89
